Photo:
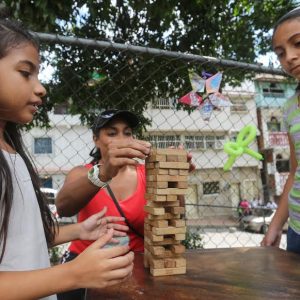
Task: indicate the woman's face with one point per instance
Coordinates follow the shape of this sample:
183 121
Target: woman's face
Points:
286 45
117 129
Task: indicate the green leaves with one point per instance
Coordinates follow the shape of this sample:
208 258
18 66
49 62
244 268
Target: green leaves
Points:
228 29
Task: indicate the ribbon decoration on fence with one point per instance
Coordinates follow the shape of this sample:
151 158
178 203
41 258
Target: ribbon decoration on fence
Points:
235 149
96 78
205 95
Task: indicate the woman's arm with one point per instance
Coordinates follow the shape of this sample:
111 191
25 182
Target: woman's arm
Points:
93 268
77 190
273 236
75 193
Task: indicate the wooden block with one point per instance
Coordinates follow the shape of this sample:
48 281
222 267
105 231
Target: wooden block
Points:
168 178
152 237
180 262
172 165
149 190
177 249
158 211
164 242
157 198
169 191
150 166
167 271
173 172
156 158
171 198
183 172
159 223
166 216
146 258
173 158
180 236
169 151
157 263
182 159
182 185
177 223
147 226
176 210
156 250
158 185
168 263
166 204
156 172
168 230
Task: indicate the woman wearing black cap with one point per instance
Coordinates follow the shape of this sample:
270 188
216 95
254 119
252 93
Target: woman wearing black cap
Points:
114 163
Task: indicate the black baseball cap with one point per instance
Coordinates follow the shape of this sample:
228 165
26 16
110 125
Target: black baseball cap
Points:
108 115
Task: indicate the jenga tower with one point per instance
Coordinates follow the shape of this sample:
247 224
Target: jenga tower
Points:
166 173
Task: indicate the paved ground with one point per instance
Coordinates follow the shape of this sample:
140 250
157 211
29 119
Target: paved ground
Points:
231 237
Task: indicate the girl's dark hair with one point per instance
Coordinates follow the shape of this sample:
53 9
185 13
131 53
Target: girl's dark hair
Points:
294 13
13 34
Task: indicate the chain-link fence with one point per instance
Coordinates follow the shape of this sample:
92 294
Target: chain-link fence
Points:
85 76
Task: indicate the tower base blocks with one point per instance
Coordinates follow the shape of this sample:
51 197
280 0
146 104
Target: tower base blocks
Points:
165 228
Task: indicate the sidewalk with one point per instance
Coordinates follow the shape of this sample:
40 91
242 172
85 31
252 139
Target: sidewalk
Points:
214 221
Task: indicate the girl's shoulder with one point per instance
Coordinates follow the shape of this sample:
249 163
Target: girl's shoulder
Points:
293 100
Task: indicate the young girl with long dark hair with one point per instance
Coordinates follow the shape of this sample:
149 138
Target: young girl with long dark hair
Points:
27 228
286 45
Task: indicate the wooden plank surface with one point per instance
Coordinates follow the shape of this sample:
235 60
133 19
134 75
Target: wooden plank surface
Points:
215 274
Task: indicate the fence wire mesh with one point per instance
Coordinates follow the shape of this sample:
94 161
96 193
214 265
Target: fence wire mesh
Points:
85 76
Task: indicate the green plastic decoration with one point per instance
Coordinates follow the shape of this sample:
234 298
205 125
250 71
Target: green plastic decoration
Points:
235 149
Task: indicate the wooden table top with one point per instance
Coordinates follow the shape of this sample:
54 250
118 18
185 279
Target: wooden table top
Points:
235 273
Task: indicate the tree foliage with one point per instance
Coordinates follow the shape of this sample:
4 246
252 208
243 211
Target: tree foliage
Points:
229 29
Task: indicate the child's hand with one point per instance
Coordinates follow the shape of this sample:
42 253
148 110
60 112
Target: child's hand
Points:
97 225
272 238
99 268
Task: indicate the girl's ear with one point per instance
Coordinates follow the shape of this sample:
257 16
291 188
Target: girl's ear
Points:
95 138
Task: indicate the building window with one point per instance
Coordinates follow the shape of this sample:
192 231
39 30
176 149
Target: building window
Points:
238 106
204 142
163 104
212 187
194 142
274 125
282 165
165 141
43 145
273 90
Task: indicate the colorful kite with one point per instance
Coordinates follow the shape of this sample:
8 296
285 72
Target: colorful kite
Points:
205 95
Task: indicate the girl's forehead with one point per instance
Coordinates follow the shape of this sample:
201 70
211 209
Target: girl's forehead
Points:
287 29
23 52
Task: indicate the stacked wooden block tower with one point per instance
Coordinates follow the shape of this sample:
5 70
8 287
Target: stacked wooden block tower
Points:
166 173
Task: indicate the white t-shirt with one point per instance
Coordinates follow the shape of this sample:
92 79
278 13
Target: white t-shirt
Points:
26 246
